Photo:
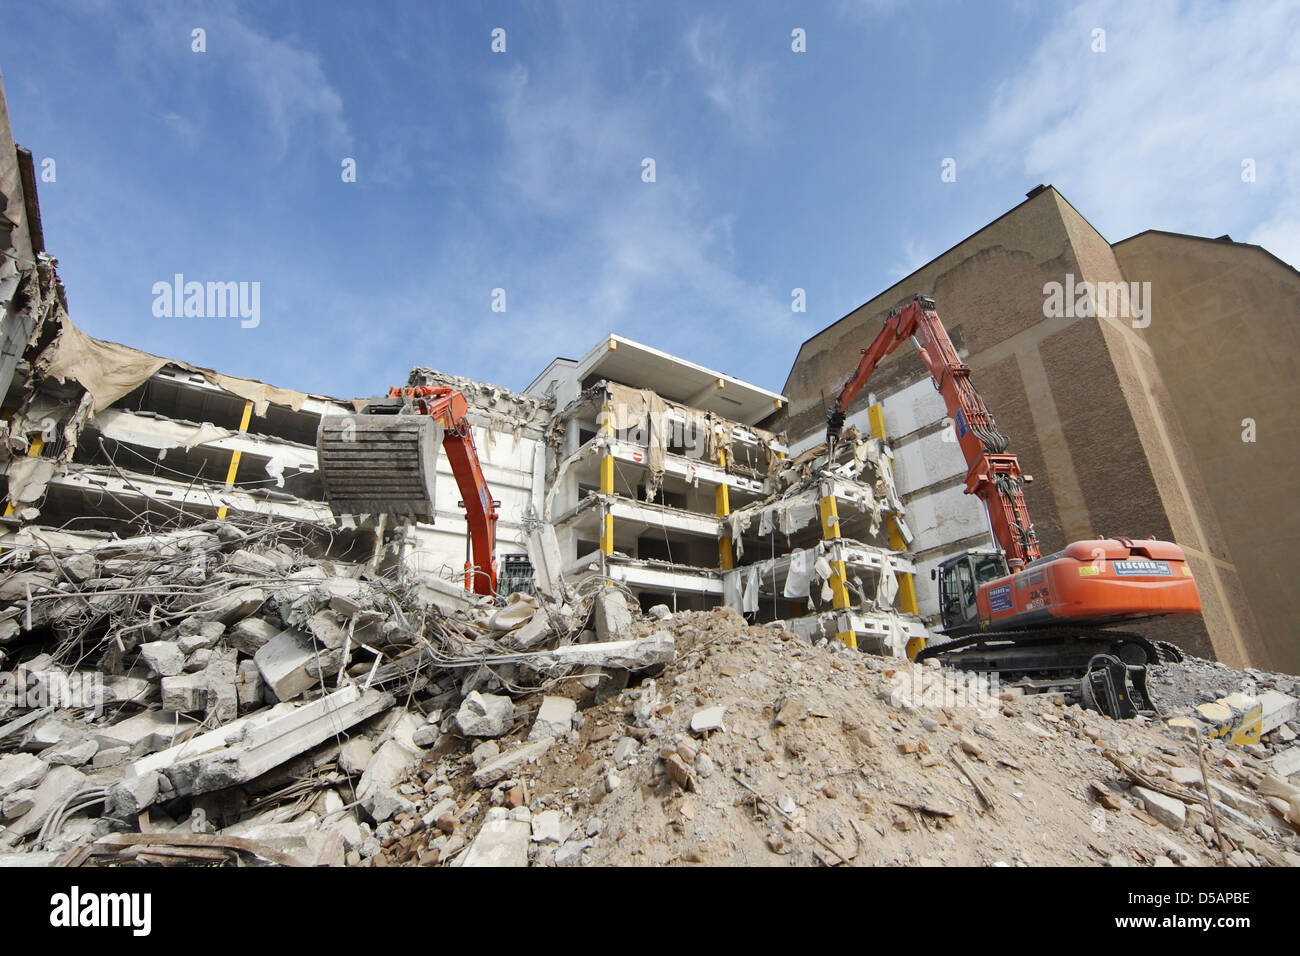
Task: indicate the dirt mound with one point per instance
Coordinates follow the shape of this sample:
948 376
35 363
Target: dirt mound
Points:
754 748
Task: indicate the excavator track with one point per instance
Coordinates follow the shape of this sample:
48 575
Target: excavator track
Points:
1059 652
1105 670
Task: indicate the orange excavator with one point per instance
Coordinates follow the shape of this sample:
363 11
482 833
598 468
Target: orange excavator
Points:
1047 621
382 462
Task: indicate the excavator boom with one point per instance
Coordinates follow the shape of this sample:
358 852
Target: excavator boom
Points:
993 475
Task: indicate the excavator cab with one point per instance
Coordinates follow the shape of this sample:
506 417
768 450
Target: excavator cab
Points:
960 578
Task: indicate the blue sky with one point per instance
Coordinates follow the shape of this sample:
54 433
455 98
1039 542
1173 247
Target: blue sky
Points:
522 170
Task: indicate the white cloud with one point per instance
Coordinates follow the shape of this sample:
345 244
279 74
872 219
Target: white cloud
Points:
287 82
1152 132
738 90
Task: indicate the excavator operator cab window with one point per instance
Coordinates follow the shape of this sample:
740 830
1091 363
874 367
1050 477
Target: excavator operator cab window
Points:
957 586
967 584
989 567
960 579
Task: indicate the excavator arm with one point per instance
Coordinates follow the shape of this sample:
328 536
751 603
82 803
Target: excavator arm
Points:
992 473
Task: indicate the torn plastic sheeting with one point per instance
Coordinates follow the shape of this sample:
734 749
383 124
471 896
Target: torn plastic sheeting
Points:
109 371
28 478
641 409
749 600
157 433
799 577
887 586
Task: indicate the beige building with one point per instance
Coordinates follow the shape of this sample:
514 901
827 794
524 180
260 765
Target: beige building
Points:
1148 386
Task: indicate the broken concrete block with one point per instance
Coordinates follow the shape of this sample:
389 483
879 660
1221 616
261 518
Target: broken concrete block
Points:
707 719
20 772
222 691
164 658
1172 813
152 730
354 756
120 689
635 655
347 596
70 754
613 619
660 612
1186 776
247 562
505 765
16 804
398 756
131 794
554 718
499 843
283 662
251 634
625 750
249 686
232 606
485 715
487 751
50 732
110 758
532 632
79 567
184 693
196 634
570 854
551 826
329 628
250 746
1286 763
58 785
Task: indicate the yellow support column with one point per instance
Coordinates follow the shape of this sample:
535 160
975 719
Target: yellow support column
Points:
831 533
723 508
33 451
234 456
607 479
906 583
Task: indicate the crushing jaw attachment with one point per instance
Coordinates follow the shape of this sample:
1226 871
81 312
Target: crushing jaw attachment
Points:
379 464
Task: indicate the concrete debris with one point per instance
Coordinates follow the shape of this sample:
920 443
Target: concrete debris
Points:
500 843
325 711
554 718
613 619
485 715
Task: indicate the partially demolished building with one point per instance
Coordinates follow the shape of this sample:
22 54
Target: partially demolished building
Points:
201 663
1147 384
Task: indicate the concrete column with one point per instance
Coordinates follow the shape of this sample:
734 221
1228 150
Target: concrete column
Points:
606 482
234 456
906 582
831 535
723 508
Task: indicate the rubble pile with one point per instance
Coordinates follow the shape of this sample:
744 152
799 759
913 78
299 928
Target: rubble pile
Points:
228 692
753 747
222 683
